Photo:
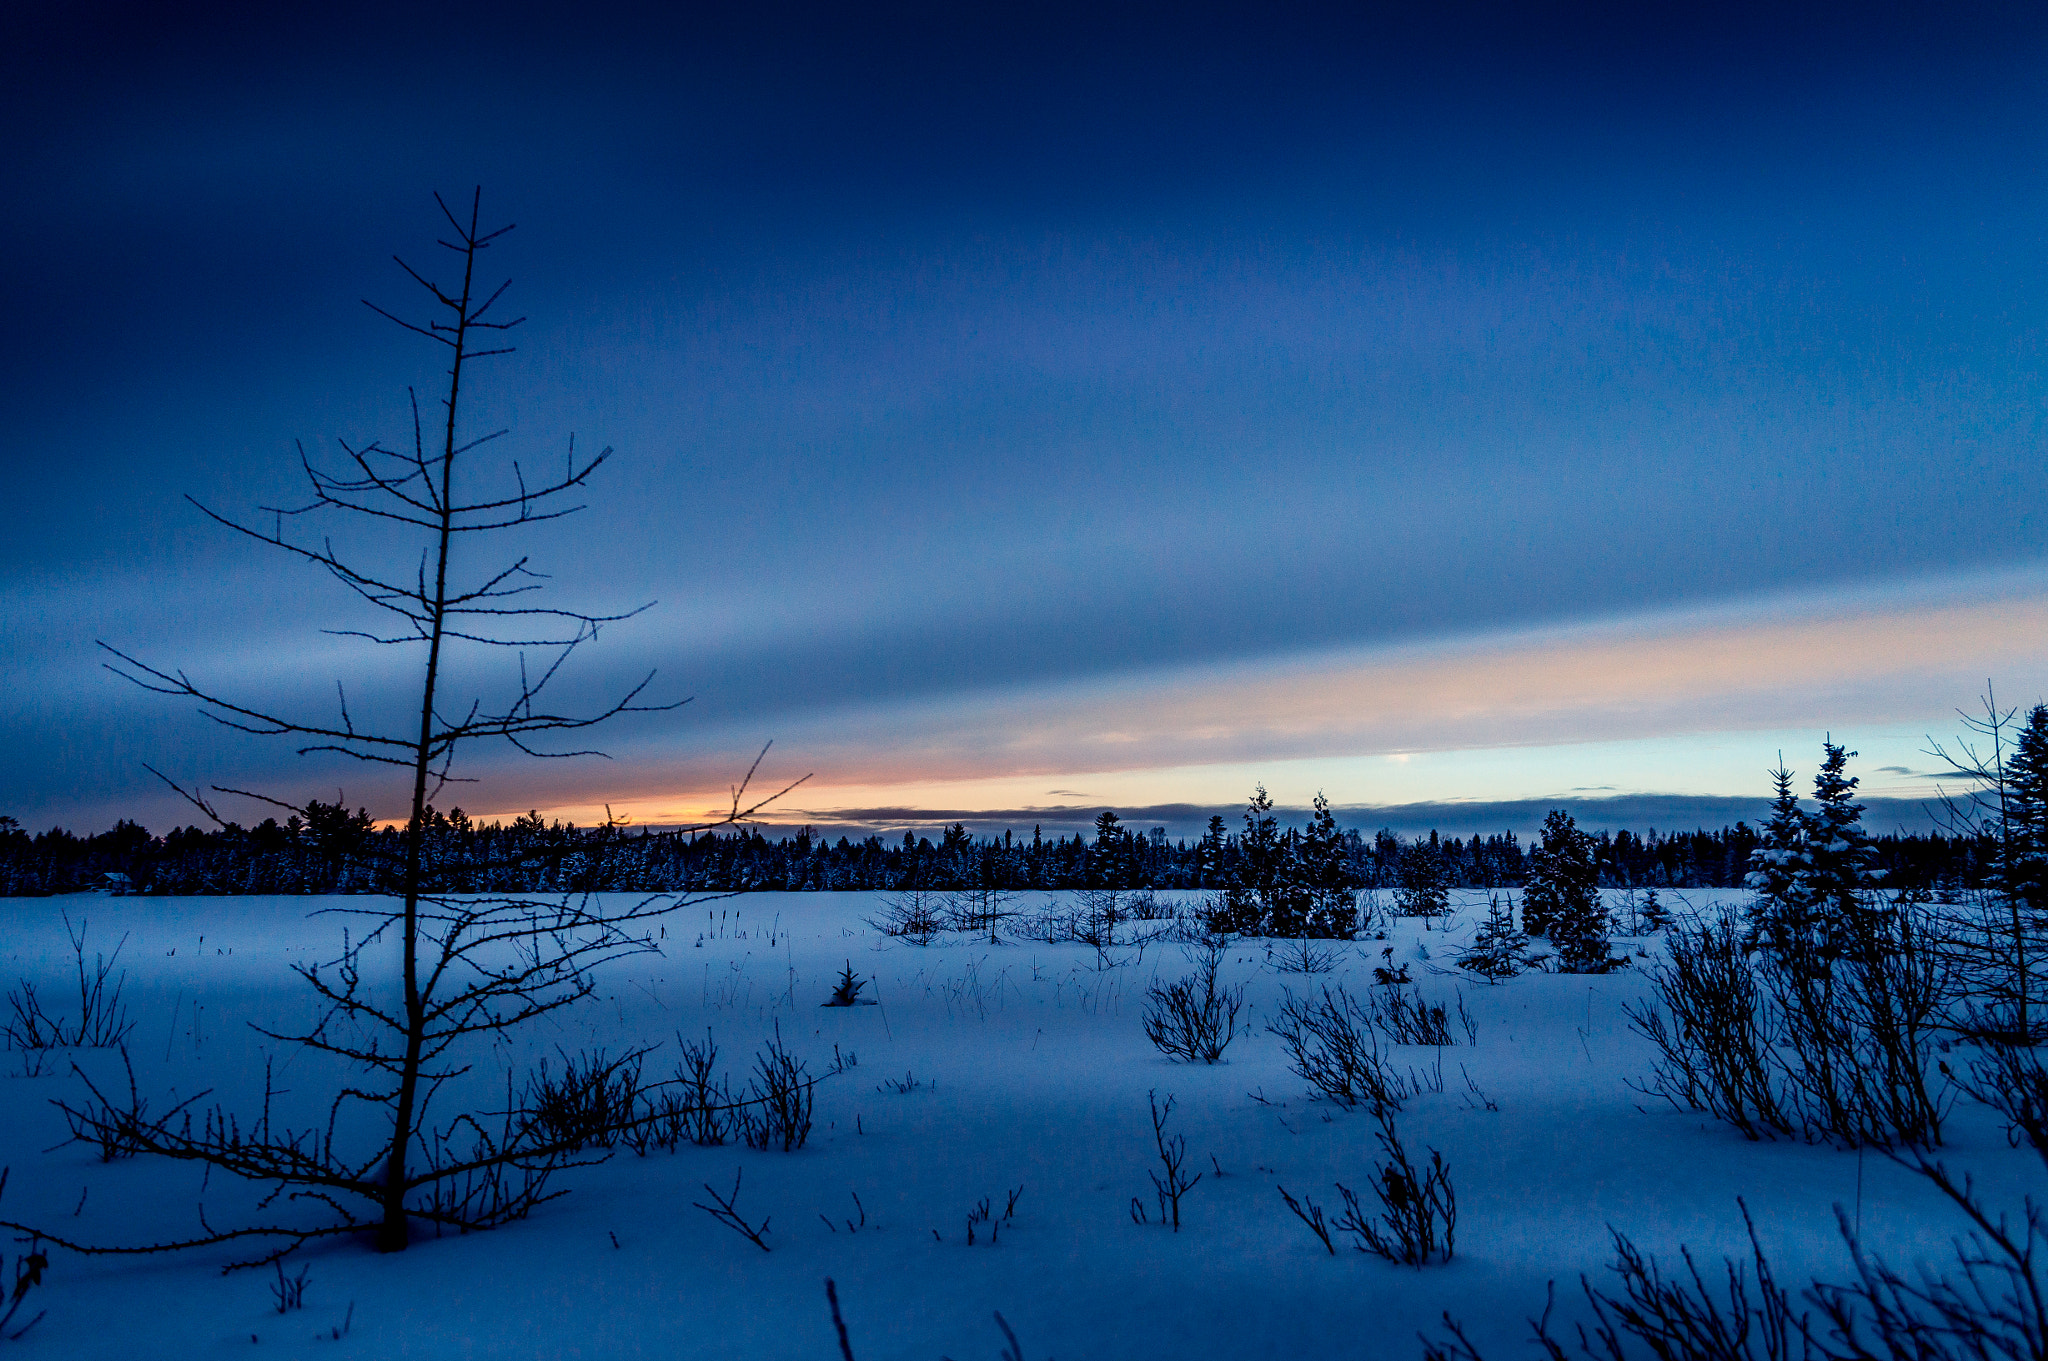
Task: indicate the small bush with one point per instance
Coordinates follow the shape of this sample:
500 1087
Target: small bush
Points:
1992 1306
699 1106
1863 1032
1418 1219
1417 1222
982 910
103 1023
1842 1049
778 1113
1750 1317
1332 1044
1712 1033
588 1106
289 1292
2014 1082
1407 1018
117 1131
1302 955
1194 1018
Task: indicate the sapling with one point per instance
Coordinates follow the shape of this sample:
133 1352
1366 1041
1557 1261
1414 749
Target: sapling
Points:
846 992
913 914
1499 950
2014 1082
1653 915
1172 1182
466 968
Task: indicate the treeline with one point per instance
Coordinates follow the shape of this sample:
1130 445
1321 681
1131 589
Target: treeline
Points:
333 850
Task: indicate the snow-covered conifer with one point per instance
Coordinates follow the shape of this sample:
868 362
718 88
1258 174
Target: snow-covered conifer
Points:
1332 907
1563 896
1780 870
1425 880
1499 949
1838 852
2025 854
1655 916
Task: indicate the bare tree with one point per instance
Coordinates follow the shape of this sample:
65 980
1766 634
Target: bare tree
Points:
468 967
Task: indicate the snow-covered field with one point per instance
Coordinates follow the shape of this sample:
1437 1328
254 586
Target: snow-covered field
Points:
1027 1066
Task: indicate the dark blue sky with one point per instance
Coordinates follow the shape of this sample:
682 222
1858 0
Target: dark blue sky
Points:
962 361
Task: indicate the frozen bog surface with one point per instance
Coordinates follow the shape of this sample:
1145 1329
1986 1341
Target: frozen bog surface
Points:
983 1068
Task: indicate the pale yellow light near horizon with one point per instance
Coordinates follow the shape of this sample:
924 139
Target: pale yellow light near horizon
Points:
1679 702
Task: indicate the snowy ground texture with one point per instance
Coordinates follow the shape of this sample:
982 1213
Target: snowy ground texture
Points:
1028 1066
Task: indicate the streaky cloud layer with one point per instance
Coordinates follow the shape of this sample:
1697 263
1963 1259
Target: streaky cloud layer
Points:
1677 702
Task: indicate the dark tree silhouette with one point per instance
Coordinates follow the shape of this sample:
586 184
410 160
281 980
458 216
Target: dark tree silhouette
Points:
469 967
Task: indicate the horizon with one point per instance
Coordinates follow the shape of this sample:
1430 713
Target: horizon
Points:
1640 815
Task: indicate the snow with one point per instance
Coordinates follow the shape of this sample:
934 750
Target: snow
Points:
1031 1069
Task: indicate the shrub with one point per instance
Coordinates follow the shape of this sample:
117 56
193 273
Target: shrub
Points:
1712 1033
1194 1018
103 1023
593 1100
1407 1018
1863 1034
702 1104
1303 956
1993 1306
2014 1082
1332 1044
1417 1221
1844 1052
778 1112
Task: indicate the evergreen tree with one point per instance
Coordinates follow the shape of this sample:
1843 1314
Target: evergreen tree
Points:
1997 939
1839 854
1289 891
1562 900
1212 854
1258 856
1425 889
1656 917
1499 949
1780 872
1332 907
2025 855
1109 860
